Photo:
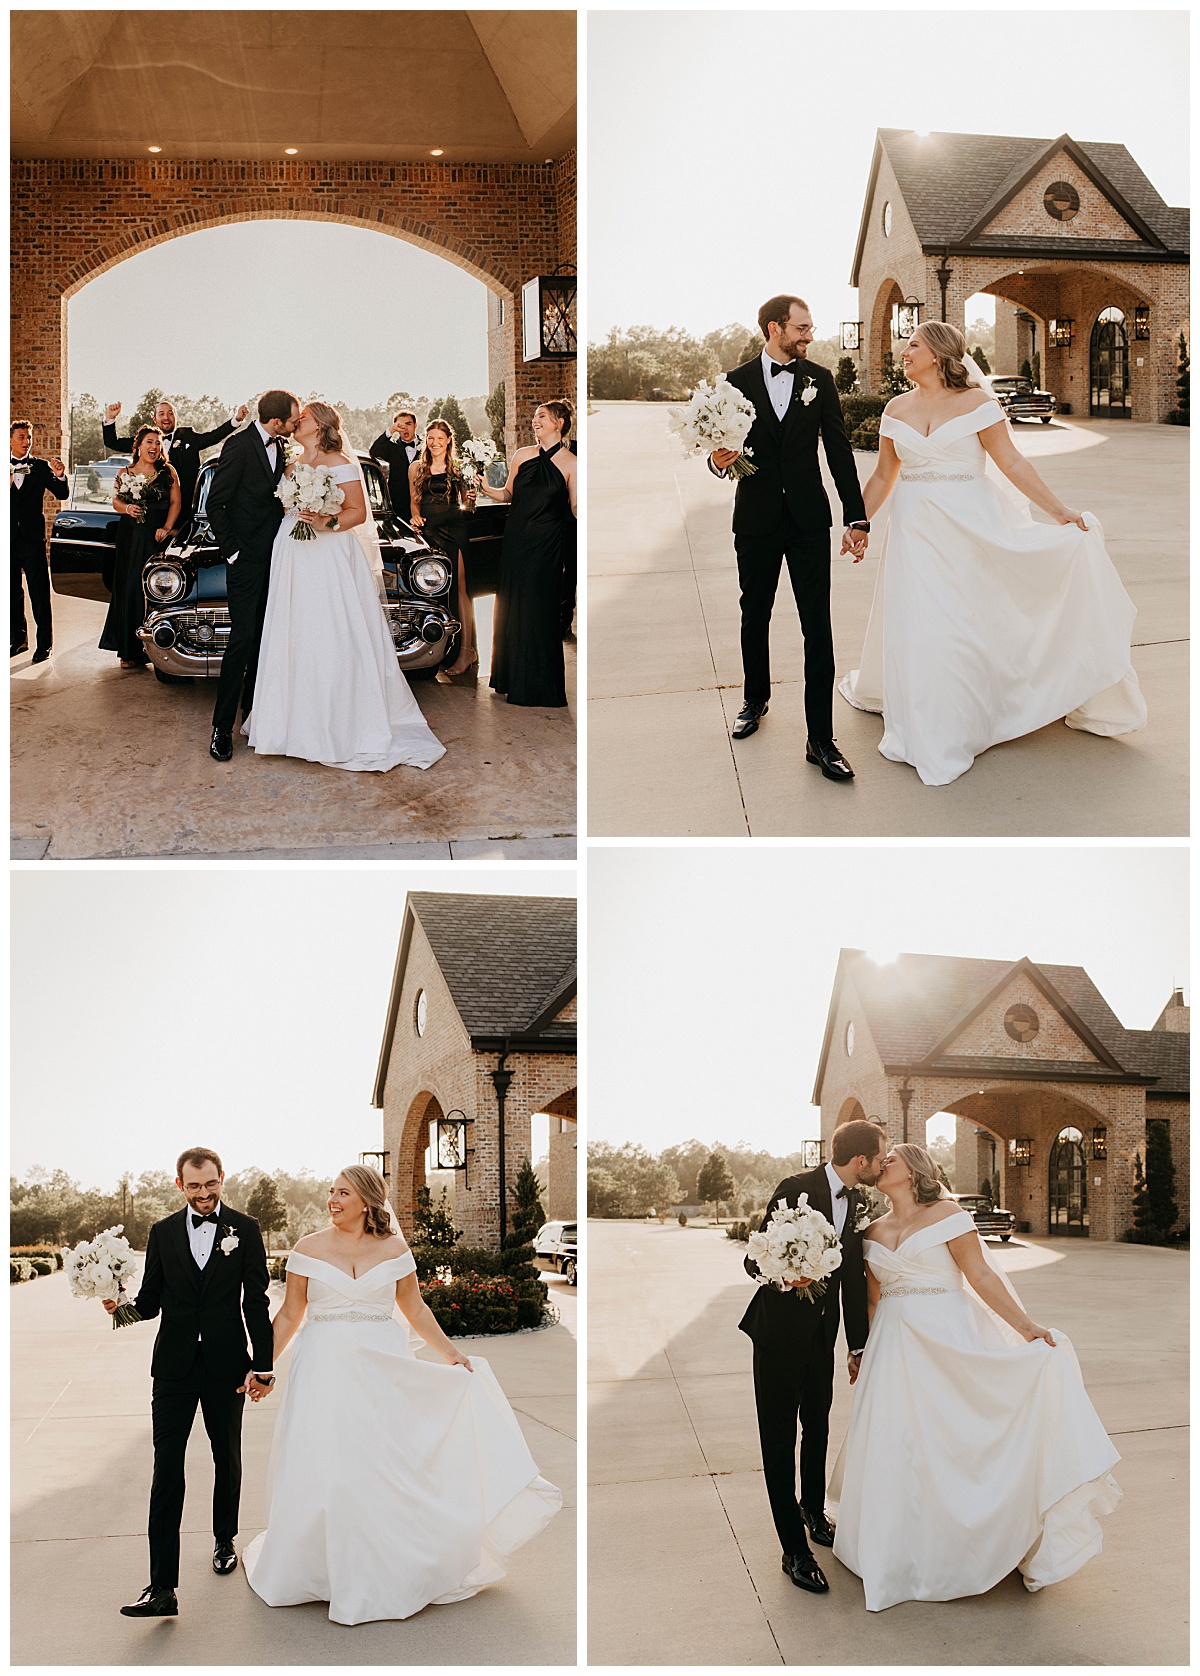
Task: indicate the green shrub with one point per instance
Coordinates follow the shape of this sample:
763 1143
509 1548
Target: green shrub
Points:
859 406
277 1268
42 1265
1178 417
682 1220
471 1305
866 437
54 1252
738 1231
469 1259
19 1268
846 376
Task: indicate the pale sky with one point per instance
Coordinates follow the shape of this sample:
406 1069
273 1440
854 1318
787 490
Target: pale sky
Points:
710 969
243 1009
297 305
729 150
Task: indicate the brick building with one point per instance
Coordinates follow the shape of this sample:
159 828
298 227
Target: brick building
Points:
452 130
482 984
1049 1090
1088 265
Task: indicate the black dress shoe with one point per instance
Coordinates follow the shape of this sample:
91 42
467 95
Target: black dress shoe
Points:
224 1559
819 1527
153 1603
829 759
805 1573
42 655
15 651
748 719
221 748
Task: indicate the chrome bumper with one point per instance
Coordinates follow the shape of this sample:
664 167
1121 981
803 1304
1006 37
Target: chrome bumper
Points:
191 641
420 633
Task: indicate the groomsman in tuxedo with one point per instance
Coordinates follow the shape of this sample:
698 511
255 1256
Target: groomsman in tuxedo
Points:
181 444
398 449
794 1339
206 1279
781 512
28 481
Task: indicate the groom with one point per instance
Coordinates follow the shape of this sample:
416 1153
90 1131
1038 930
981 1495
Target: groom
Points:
793 1341
781 511
206 1275
245 513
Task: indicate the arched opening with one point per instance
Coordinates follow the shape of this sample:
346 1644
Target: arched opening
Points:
851 1112
940 1131
411 1168
880 342
557 1123
1067 1195
1108 366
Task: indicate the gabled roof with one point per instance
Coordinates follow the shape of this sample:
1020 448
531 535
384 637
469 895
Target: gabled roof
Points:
508 962
953 185
916 1005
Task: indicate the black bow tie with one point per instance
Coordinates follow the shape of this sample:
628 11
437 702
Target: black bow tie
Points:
782 366
168 436
846 1193
197 1220
23 461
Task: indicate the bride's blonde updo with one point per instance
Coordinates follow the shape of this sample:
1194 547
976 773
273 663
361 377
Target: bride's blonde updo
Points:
949 349
331 441
926 1186
369 1185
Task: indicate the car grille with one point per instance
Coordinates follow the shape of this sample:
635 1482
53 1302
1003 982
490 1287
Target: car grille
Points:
203 632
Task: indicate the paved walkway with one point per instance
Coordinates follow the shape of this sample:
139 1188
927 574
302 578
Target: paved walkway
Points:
664 669
81 1462
683 1562
111 763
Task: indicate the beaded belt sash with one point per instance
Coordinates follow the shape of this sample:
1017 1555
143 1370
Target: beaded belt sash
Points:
941 476
916 1291
350 1315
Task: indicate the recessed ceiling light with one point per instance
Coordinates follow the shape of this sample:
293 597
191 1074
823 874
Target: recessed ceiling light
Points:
153 148
437 151
290 150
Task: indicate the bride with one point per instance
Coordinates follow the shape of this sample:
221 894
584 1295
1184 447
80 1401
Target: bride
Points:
328 686
392 1483
973 1447
985 625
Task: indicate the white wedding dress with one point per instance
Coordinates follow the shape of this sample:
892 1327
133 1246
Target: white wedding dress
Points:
970 1452
392 1483
328 686
985 625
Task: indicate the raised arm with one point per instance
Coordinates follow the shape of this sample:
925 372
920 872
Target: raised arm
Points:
998 442
514 465
422 1320
968 1253
205 439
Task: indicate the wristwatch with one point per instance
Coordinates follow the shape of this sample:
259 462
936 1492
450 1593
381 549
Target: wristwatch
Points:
333 522
860 524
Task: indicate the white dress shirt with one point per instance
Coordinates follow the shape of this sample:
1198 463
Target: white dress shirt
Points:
835 1187
779 386
204 1238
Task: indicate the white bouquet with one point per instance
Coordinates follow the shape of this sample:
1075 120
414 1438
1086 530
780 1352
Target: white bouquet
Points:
309 489
797 1244
96 1268
131 486
718 416
478 452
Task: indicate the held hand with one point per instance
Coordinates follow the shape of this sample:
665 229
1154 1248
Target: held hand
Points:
1066 516
799 1284
254 1388
110 1305
313 518
241 413
111 412
1033 1331
854 1362
855 542
57 467
722 457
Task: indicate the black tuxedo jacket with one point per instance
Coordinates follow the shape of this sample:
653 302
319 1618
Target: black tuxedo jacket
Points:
219 1303
184 453
786 1320
395 457
27 520
785 454
243 509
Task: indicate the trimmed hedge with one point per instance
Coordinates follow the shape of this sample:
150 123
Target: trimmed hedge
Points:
20 1268
53 1252
866 437
858 408
472 1305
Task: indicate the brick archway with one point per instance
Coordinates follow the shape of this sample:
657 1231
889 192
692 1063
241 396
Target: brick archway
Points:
73 219
409 1173
879 331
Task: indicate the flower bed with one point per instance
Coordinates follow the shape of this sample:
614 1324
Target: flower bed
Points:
472 1304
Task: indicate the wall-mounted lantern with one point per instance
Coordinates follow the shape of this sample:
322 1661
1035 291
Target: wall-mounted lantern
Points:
852 335
1020 1151
548 316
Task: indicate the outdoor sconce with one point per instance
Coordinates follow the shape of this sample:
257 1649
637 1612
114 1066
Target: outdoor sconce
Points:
1141 324
448 1142
852 334
376 1161
1059 333
814 1154
548 317
1100 1143
1020 1151
908 317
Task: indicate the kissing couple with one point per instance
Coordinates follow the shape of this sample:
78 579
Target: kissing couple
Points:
392 1483
310 654
973 1449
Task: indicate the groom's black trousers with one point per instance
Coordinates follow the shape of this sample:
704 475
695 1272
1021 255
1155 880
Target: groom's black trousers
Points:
760 558
173 1410
247 582
791 1388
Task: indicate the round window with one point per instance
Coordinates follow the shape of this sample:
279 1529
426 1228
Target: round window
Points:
421 1012
850 1039
887 221
1022 1023
1061 201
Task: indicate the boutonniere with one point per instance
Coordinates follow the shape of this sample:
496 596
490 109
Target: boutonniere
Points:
230 1242
862 1213
808 390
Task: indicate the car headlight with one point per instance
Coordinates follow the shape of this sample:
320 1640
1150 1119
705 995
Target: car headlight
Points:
430 576
165 583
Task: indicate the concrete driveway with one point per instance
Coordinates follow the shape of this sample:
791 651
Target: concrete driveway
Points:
683 1561
110 763
81 1463
664 669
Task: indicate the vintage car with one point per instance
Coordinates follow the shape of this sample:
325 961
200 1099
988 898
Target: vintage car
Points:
556 1245
1021 399
988 1218
186 625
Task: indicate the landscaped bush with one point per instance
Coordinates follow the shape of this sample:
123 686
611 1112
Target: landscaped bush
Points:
866 437
682 1219
19 1268
470 1305
277 1268
738 1231
859 407
53 1252
42 1265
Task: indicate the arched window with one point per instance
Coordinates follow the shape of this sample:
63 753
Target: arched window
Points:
1110 366
1068 1184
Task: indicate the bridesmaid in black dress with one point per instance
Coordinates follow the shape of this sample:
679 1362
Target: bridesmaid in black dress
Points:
527 640
440 501
145 525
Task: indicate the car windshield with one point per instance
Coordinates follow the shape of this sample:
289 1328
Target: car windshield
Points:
571 1231
94 485
1015 386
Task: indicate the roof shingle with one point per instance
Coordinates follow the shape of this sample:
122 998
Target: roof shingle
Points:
504 958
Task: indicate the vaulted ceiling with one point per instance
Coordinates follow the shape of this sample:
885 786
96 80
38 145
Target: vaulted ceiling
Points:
485 87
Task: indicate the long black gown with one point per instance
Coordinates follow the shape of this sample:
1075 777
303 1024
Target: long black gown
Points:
527 651
136 542
445 527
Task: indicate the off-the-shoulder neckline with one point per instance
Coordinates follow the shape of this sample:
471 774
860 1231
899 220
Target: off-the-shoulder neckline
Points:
308 1257
924 1228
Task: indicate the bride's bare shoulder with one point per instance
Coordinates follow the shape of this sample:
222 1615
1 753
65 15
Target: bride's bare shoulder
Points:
944 1210
899 405
310 1243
